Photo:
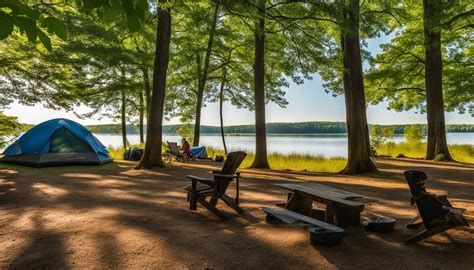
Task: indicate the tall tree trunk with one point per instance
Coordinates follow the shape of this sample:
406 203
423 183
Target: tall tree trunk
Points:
146 108
437 144
221 104
141 116
357 129
203 77
123 120
152 154
146 80
260 160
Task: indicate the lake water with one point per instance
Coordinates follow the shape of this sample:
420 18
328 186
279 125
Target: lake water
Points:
328 145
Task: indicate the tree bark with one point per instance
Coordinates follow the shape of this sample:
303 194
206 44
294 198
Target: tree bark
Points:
203 77
141 116
357 128
436 144
260 160
123 120
146 80
221 104
152 154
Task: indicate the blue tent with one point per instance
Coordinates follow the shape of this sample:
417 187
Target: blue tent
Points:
57 142
199 152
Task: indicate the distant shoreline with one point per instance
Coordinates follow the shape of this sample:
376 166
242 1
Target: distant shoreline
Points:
299 128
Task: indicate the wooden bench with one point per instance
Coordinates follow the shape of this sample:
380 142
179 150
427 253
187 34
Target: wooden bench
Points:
291 217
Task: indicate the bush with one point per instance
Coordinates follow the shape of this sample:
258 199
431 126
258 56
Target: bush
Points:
413 134
380 135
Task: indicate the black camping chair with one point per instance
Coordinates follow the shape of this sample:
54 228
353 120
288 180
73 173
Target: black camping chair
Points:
436 212
175 152
216 188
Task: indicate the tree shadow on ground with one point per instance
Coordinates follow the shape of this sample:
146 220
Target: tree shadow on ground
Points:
140 219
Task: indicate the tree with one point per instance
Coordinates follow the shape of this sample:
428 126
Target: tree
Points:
10 129
203 73
413 134
260 160
425 66
34 21
221 105
152 154
380 135
334 29
357 127
437 144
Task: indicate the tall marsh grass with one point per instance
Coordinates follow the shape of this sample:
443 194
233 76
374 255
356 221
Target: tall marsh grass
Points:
294 162
459 152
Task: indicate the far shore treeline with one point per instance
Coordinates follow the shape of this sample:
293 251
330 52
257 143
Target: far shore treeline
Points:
275 128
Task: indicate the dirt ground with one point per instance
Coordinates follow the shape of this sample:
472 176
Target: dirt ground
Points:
114 217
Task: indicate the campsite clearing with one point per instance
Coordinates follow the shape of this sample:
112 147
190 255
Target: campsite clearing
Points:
112 216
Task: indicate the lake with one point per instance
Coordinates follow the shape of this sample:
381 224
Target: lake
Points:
328 145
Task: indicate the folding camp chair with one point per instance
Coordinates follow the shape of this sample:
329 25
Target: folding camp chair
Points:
175 152
436 213
216 188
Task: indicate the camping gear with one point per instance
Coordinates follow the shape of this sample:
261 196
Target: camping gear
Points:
379 224
325 237
57 142
436 212
219 158
199 152
216 188
133 154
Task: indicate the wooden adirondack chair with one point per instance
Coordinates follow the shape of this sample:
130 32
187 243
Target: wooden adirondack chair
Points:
216 188
437 214
175 152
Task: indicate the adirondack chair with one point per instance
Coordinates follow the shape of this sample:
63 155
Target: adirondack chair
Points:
175 152
216 188
437 214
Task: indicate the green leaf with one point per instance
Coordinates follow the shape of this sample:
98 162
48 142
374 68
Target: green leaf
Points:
55 26
142 4
133 23
128 7
28 26
20 8
91 4
6 25
45 40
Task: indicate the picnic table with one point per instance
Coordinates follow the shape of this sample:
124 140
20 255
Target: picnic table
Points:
341 207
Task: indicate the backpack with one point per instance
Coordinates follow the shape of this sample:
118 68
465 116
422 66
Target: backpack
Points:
133 154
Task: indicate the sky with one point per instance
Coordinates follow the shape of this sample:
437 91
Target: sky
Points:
307 102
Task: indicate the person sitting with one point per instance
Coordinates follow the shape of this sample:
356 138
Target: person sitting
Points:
186 147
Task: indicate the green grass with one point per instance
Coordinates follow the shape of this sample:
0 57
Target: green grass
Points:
460 152
294 162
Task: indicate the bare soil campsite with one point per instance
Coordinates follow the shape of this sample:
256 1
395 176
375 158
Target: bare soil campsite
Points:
114 217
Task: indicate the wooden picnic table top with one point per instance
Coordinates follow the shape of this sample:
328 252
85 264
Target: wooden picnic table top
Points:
325 192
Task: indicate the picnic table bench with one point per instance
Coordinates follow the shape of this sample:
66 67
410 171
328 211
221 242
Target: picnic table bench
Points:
341 208
291 217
